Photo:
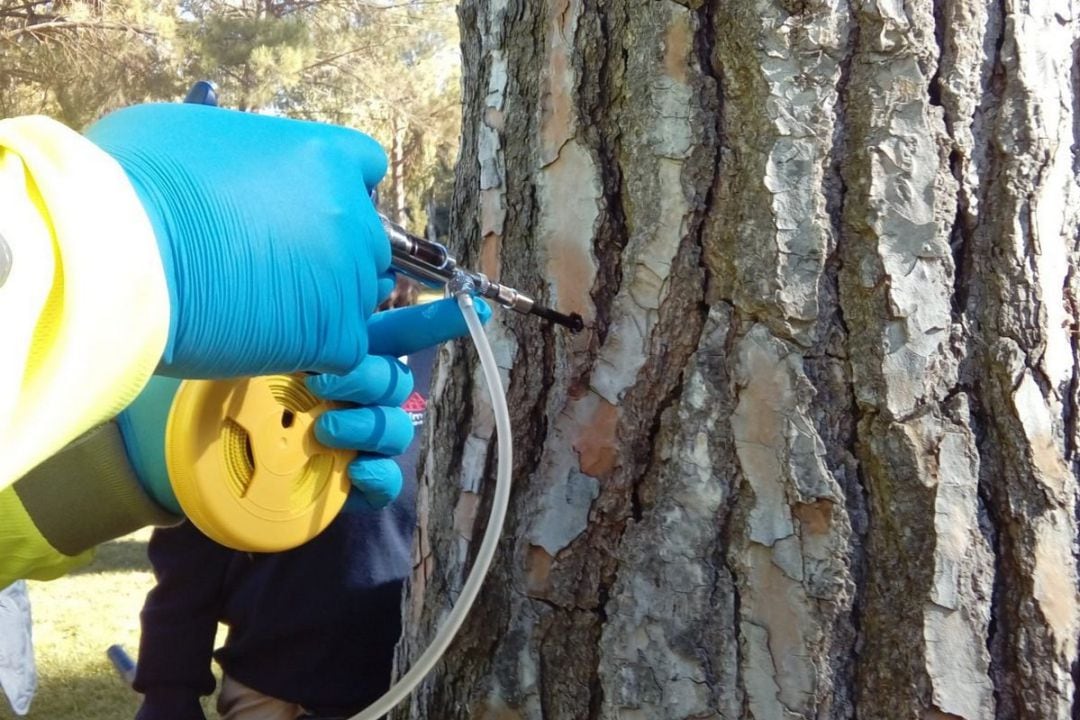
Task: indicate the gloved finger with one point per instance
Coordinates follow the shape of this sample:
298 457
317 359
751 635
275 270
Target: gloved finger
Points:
377 380
404 331
376 483
386 286
376 429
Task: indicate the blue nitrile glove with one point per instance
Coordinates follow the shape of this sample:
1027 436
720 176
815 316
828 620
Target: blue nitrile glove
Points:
271 246
379 429
380 384
142 427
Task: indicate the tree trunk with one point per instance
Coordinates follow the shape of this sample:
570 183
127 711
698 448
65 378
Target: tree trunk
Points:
815 454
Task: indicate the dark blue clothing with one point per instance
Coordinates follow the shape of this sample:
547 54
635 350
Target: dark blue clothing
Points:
315 625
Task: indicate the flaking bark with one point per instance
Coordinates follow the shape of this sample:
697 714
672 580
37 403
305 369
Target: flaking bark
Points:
814 456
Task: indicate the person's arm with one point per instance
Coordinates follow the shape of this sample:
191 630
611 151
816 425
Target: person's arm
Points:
190 240
197 241
179 623
89 307
84 308
41 538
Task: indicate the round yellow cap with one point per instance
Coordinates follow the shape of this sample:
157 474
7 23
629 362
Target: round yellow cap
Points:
245 465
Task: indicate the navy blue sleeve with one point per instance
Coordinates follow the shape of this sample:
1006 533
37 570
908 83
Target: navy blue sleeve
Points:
179 622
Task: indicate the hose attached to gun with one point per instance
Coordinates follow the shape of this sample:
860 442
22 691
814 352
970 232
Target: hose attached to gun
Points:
424 664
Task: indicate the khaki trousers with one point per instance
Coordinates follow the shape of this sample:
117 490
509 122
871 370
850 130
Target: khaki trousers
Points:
237 701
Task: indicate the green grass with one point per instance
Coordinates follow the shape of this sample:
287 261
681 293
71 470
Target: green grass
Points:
76 618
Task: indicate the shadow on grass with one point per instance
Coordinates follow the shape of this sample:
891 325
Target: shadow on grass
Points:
123 555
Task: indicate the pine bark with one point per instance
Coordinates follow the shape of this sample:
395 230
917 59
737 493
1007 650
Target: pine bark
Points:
815 454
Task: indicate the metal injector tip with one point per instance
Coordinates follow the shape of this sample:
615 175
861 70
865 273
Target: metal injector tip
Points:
432 264
573 321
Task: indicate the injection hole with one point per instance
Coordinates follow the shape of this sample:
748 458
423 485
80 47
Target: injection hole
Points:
287 418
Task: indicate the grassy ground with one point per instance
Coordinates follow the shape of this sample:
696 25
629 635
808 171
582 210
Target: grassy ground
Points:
75 619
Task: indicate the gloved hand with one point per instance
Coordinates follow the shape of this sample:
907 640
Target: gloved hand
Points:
271 246
377 428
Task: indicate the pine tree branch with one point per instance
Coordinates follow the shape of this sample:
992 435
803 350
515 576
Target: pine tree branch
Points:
46 26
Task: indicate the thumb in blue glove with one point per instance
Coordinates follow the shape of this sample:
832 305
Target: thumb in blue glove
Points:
379 428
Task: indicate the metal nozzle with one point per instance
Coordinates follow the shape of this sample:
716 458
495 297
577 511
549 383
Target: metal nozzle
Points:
573 321
432 264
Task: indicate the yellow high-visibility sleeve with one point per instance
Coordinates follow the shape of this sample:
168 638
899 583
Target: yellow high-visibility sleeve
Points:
53 517
24 551
84 310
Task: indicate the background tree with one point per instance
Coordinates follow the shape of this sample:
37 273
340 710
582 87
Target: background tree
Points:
815 454
75 60
391 69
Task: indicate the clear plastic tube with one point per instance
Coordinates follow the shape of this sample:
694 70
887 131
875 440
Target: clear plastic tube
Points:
423 665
